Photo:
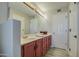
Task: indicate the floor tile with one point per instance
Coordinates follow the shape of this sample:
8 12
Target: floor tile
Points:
57 52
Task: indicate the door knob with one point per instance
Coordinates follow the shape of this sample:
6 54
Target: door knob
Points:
75 36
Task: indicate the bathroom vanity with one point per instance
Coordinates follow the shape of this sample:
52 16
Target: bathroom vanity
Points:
35 46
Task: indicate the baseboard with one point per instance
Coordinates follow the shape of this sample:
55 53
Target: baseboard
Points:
2 55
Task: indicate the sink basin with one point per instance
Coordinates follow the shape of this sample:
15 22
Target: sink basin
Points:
31 38
39 35
24 37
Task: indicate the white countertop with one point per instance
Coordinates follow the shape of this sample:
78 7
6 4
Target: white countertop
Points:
32 37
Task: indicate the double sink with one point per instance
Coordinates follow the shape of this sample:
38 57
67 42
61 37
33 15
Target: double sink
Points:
33 36
27 39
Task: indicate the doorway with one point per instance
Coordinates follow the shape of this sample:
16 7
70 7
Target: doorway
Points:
60 30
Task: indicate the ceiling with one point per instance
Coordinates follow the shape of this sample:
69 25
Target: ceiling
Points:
44 6
51 6
19 6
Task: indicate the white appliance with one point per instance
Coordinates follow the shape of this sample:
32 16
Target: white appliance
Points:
10 38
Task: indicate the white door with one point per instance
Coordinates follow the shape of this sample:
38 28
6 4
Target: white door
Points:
60 30
74 32
78 33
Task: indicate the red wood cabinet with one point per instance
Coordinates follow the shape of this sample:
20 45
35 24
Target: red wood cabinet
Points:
48 42
36 48
49 37
29 50
38 51
44 45
22 51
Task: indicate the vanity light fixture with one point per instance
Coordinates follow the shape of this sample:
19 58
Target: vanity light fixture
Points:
31 6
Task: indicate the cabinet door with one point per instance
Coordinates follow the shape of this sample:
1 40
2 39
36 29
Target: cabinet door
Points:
44 46
49 41
50 38
38 48
29 50
22 51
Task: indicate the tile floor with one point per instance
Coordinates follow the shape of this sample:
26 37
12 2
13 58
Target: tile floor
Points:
57 52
